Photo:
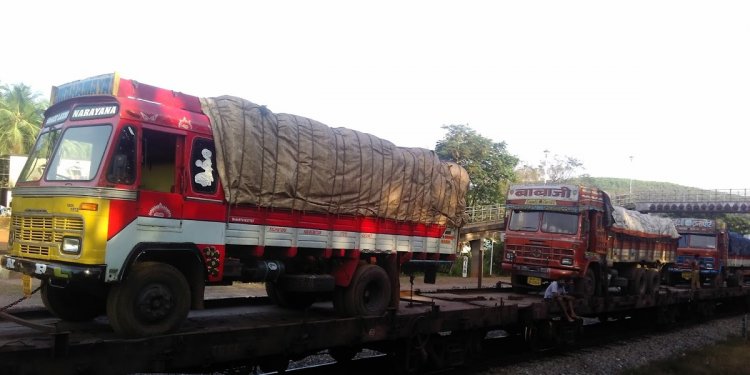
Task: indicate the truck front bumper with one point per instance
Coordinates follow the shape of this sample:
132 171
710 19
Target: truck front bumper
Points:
49 270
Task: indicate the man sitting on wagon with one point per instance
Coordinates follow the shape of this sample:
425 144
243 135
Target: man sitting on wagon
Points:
559 291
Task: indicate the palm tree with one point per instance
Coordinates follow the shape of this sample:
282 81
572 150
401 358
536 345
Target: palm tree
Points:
21 115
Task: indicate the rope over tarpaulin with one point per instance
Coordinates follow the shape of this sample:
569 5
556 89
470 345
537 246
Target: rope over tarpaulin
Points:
292 162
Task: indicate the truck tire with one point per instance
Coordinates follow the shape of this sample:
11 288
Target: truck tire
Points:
518 284
368 294
589 286
71 303
653 281
717 281
154 299
286 299
637 282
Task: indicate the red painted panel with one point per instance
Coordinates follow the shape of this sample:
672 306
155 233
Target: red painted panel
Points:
298 219
121 213
158 204
166 97
202 210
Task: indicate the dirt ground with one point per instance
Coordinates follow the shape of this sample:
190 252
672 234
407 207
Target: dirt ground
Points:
4 223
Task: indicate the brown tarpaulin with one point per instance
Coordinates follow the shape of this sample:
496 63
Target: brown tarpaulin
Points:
292 162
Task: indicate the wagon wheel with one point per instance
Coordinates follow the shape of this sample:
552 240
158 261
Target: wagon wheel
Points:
343 354
276 363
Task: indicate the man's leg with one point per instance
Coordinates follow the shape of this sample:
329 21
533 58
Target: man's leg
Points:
564 309
572 310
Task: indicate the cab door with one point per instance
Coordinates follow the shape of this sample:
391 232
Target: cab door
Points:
161 178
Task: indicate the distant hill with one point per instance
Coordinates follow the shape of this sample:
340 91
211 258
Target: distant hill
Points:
617 186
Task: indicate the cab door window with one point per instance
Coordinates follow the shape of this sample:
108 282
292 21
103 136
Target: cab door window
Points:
122 166
203 175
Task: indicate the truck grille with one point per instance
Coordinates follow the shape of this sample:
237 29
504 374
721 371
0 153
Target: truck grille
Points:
37 235
537 255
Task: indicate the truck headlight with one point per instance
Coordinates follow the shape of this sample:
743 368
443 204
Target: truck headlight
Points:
566 261
509 255
71 245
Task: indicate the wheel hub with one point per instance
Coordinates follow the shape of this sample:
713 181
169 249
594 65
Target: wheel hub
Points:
154 303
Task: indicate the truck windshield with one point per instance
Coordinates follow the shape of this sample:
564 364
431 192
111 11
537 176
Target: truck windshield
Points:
524 220
77 154
37 162
551 222
559 222
698 241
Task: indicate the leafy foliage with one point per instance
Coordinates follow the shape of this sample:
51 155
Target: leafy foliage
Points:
21 115
488 163
559 169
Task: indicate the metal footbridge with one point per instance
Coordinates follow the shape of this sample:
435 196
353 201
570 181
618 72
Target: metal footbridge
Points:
685 202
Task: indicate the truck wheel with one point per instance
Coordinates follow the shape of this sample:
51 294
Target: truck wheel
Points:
153 299
589 286
717 282
665 276
291 300
653 281
637 282
368 294
71 303
518 284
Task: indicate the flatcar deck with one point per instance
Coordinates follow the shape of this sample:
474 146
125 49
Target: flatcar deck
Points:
250 332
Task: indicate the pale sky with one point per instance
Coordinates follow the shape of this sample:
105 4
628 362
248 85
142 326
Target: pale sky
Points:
667 82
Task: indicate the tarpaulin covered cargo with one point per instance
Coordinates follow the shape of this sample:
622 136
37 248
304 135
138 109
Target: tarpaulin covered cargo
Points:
636 223
738 244
292 162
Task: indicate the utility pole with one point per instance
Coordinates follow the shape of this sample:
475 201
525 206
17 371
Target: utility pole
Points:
631 177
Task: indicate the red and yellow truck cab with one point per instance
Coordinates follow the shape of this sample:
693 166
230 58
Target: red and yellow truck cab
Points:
120 209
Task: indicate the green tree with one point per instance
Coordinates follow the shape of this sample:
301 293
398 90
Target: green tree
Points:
488 163
559 169
21 115
530 173
739 223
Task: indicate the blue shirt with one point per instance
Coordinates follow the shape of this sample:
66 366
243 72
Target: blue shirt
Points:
553 289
